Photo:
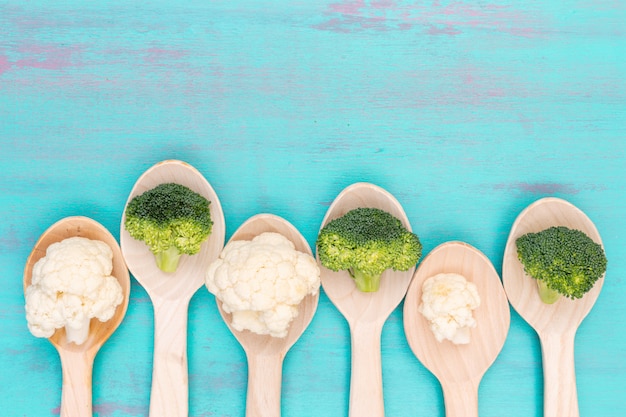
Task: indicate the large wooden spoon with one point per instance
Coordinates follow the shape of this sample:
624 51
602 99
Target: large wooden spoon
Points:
459 368
365 313
171 292
555 324
77 360
265 354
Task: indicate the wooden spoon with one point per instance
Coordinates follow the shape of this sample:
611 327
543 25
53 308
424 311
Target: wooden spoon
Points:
459 368
171 292
77 360
555 324
265 354
366 313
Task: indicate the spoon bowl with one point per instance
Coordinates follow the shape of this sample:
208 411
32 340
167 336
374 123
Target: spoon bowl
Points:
459 368
77 360
365 313
556 324
171 293
265 353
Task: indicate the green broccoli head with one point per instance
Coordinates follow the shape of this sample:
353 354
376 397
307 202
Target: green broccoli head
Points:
366 242
171 220
563 261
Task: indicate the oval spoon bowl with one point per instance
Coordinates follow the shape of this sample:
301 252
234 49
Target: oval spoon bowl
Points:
356 305
189 275
459 368
522 289
265 353
78 226
77 360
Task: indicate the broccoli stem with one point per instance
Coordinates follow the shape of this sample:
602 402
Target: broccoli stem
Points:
547 295
366 282
167 261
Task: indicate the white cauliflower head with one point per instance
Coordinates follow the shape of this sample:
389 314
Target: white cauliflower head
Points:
71 285
448 300
261 282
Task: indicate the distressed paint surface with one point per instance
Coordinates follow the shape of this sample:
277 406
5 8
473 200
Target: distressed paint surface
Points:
466 111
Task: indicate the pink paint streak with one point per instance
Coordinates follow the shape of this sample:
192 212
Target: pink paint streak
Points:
445 30
159 55
48 57
348 7
5 65
540 188
436 19
108 409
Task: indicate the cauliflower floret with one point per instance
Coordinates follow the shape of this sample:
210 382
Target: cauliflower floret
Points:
448 300
70 285
262 281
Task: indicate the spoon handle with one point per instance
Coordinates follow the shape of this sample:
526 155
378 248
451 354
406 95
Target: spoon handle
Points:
366 380
264 385
559 376
169 396
461 399
76 396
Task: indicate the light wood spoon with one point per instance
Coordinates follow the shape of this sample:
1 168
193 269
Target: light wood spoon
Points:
459 368
365 313
171 292
555 324
77 360
265 354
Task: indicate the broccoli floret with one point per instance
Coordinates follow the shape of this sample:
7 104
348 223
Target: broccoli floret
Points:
565 262
171 220
365 242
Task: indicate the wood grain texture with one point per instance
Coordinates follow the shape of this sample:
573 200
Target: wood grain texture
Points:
465 111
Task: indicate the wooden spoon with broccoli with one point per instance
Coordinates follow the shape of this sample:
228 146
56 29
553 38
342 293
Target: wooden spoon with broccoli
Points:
556 323
265 353
77 359
169 277
458 367
366 307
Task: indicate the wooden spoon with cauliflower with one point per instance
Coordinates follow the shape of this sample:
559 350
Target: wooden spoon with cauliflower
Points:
456 318
266 283
77 288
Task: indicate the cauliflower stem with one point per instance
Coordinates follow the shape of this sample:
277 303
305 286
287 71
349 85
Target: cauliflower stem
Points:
78 335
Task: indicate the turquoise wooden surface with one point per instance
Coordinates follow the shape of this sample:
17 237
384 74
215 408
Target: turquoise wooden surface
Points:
466 111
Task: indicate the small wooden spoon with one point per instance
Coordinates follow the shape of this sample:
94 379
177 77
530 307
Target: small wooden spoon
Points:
171 292
265 354
459 368
555 324
366 313
77 360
